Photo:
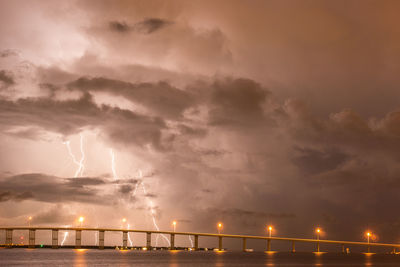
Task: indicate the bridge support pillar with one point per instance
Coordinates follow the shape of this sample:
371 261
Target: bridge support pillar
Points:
54 238
78 238
317 246
220 243
31 238
343 249
269 245
196 242
124 239
9 237
148 240
172 241
244 244
101 239
293 247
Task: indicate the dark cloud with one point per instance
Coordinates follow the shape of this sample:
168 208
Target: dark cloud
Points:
147 26
151 25
8 52
126 189
6 79
311 161
71 116
237 102
7 196
161 98
51 189
119 26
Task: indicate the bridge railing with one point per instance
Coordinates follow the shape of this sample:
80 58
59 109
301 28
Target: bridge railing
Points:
101 238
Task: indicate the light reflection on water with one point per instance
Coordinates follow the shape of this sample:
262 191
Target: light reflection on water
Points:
81 258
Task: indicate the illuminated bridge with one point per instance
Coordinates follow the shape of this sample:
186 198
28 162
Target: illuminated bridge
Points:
219 237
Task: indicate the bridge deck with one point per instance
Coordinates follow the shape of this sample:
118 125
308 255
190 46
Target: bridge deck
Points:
303 240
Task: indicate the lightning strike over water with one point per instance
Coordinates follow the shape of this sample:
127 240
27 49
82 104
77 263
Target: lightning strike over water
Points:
191 241
152 211
79 171
64 239
129 238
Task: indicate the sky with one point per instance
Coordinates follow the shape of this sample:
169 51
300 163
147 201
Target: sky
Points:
249 113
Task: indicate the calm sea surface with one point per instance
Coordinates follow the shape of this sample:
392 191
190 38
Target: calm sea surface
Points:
69 257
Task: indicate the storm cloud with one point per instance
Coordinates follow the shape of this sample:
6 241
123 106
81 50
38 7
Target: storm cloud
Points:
251 113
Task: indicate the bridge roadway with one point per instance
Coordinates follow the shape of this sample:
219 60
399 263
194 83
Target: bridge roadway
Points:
78 232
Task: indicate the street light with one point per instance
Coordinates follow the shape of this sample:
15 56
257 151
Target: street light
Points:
219 228
174 225
270 230
81 219
318 231
29 220
123 222
368 235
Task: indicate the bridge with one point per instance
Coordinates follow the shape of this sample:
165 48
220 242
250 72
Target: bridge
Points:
172 234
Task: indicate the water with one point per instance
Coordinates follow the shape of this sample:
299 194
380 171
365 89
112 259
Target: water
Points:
69 257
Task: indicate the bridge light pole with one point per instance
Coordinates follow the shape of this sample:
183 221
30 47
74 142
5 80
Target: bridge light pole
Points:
174 225
318 231
219 228
81 219
368 240
29 221
123 222
269 240
270 230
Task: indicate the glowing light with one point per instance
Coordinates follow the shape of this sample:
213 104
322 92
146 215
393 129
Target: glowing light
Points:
219 228
174 224
270 230
368 234
318 231
124 220
81 219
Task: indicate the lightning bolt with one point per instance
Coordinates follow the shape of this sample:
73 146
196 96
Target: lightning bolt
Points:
150 203
191 241
152 210
79 170
114 172
129 238
64 239
96 238
81 167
